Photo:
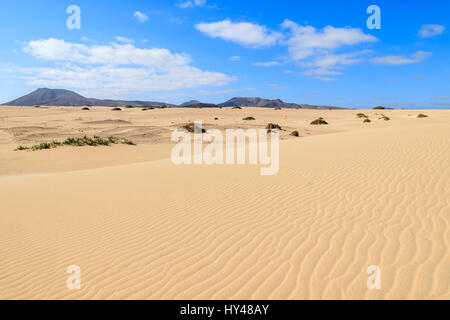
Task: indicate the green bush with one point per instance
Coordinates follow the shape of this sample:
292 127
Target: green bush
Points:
422 116
273 126
379 108
78 142
320 121
190 127
21 148
249 119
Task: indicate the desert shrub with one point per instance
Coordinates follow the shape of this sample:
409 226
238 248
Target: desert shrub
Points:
128 142
116 109
249 119
278 109
421 115
295 134
21 148
362 115
78 142
320 121
237 108
190 127
129 107
37 106
367 120
273 126
379 108
85 109
216 119
385 118
42 146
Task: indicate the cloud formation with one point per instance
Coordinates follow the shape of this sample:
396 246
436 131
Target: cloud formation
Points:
400 59
184 4
124 40
115 67
431 30
141 16
244 33
306 41
266 64
308 46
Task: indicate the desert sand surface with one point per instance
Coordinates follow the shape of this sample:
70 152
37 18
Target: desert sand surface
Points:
347 196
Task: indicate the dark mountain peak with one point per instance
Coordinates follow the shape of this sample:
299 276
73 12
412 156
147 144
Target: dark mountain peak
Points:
190 103
253 102
62 97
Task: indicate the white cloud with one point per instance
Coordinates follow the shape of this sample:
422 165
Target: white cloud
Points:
306 41
184 4
142 17
235 58
327 64
325 79
400 59
114 68
431 30
124 40
266 64
245 33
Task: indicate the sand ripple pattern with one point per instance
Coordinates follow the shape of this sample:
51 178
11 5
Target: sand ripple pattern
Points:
341 203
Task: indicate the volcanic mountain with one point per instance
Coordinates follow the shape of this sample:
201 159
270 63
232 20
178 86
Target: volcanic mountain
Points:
61 97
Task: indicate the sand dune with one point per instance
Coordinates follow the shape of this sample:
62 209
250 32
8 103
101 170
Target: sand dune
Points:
347 196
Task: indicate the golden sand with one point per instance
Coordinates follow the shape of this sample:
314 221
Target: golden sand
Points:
347 196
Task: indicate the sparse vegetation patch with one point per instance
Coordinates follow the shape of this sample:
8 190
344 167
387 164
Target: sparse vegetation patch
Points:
320 121
78 142
249 119
191 127
273 126
421 115
362 115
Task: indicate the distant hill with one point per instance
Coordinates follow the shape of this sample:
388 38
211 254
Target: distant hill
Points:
202 105
266 103
61 97
190 103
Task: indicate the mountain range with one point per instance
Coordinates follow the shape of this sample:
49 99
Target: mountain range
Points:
61 97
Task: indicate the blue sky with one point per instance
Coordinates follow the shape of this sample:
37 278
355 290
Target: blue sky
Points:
315 52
